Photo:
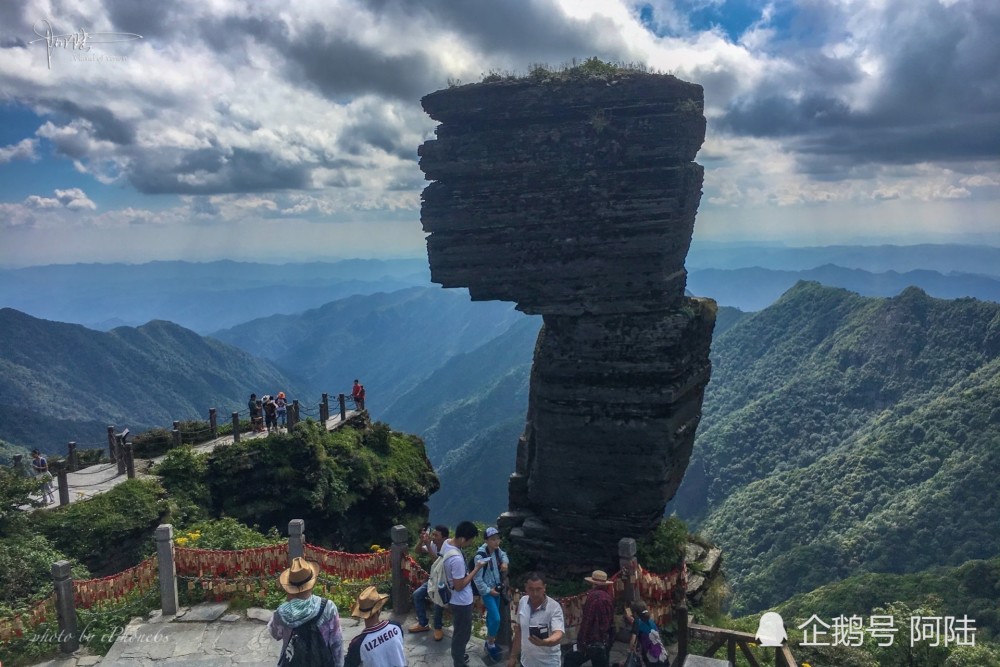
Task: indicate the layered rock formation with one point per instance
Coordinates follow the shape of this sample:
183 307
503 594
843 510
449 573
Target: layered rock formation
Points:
575 196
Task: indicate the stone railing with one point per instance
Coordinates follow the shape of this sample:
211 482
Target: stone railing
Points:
224 573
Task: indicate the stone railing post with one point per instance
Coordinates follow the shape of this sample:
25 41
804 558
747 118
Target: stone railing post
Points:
296 539
293 414
213 423
71 456
129 461
112 443
400 537
236 427
627 563
324 409
62 577
168 570
343 406
120 451
63 480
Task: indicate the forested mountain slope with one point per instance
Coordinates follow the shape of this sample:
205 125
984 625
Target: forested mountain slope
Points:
391 341
56 378
845 433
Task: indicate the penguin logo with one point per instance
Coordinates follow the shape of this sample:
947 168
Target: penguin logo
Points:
771 631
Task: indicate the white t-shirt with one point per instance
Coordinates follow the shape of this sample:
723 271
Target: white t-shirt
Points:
455 568
549 617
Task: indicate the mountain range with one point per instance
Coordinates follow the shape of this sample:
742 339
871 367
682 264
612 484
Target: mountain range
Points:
200 296
64 382
755 288
391 341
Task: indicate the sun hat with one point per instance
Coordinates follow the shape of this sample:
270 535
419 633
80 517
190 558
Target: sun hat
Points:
369 603
300 577
599 577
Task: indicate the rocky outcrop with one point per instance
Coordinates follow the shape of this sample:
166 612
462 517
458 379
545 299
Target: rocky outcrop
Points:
575 197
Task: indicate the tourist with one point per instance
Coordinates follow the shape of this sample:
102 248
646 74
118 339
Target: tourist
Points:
646 636
40 468
489 581
597 624
380 644
297 621
270 414
459 581
539 627
281 405
358 394
430 543
255 412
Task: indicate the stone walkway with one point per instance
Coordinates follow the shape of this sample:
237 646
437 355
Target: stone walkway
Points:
97 479
209 636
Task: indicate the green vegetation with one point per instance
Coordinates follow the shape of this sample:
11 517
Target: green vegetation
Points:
845 434
591 67
349 485
663 550
110 532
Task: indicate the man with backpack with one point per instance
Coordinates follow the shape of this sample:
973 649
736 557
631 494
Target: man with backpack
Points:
490 585
430 543
451 584
307 625
380 644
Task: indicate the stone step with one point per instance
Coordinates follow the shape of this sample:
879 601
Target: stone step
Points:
702 661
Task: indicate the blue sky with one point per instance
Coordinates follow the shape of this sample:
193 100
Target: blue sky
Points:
283 130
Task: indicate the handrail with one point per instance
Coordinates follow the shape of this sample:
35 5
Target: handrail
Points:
731 639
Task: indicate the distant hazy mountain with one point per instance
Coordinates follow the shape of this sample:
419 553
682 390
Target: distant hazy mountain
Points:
391 341
844 433
757 288
943 258
200 296
470 414
60 382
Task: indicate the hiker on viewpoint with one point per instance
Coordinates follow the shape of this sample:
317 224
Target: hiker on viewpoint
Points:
40 468
307 625
358 394
281 405
430 543
255 413
380 644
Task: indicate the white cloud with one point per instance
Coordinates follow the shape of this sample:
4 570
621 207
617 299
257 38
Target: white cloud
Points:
22 150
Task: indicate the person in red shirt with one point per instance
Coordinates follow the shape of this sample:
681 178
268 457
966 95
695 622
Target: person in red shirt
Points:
597 624
358 394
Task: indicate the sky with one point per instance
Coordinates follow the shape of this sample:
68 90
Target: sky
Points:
287 130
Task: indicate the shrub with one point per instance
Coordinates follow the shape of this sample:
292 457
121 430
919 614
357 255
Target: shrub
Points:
663 549
109 532
26 569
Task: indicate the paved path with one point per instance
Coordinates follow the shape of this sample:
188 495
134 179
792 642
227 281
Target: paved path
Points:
96 479
239 640
209 636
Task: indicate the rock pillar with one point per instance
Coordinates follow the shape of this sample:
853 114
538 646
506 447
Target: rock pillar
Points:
575 196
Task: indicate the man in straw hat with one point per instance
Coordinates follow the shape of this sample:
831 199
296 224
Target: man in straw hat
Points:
597 624
307 625
380 644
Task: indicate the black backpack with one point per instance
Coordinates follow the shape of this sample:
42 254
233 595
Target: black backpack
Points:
306 647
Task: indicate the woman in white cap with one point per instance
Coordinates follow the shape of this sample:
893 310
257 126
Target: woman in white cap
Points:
306 623
380 644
